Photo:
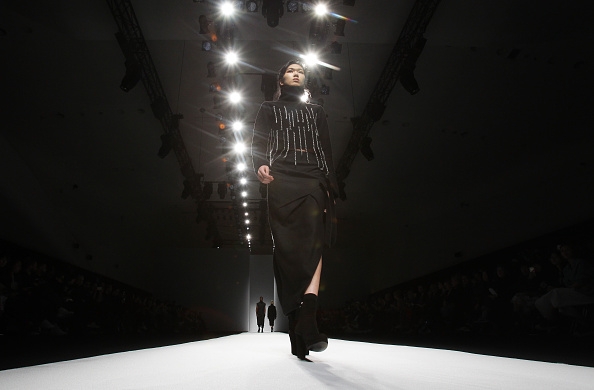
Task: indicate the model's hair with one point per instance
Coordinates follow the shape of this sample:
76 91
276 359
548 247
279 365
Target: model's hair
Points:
282 72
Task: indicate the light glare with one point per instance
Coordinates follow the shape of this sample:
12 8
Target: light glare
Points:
237 126
231 58
234 97
239 147
321 9
227 8
310 59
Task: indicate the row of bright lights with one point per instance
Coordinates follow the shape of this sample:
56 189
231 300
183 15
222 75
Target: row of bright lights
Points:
240 148
310 59
229 8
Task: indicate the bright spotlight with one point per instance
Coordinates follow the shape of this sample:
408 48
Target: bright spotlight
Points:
241 167
244 204
243 180
237 126
231 58
247 221
310 59
321 9
235 97
227 8
244 193
249 236
239 147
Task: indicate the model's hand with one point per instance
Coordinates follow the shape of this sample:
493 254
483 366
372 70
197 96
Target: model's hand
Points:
264 174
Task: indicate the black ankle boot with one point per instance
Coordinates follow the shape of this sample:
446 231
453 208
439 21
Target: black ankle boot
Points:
306 327
297 346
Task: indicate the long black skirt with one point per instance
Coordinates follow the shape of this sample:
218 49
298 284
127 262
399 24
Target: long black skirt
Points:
297 198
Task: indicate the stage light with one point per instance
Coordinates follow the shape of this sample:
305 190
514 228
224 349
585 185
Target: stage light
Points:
231 58
166 144
132 76
408 81
206 46
243 181
244 193
292 6
321 9
227 8
251 6
305 97
249 236
241 167
237 126
244 204
234 97
239 147
310 59
247 221
214 87
273 10
307 6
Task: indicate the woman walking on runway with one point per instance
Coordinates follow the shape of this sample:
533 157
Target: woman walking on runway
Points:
292 154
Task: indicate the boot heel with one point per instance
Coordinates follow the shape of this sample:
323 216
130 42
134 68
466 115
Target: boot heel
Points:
306 327
300 349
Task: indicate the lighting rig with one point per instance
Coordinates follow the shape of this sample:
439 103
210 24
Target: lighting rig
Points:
219 37
407 45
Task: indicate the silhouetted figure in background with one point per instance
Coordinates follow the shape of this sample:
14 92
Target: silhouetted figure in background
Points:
271 315
260 314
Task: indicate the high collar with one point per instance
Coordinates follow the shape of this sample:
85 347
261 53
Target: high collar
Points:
291 93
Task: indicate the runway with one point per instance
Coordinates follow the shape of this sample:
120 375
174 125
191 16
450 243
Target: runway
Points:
263 361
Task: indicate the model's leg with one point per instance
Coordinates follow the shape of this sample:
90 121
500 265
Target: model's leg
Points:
314 285
307 327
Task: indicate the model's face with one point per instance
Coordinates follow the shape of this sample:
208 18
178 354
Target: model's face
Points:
294 76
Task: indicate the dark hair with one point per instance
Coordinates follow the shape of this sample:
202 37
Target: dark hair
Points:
282 72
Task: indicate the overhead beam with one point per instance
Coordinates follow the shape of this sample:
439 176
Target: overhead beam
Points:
413 30
136 46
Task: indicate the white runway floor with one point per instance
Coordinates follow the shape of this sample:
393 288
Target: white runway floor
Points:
263 361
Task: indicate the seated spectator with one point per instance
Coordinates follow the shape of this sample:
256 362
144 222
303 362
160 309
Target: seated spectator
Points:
578 281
